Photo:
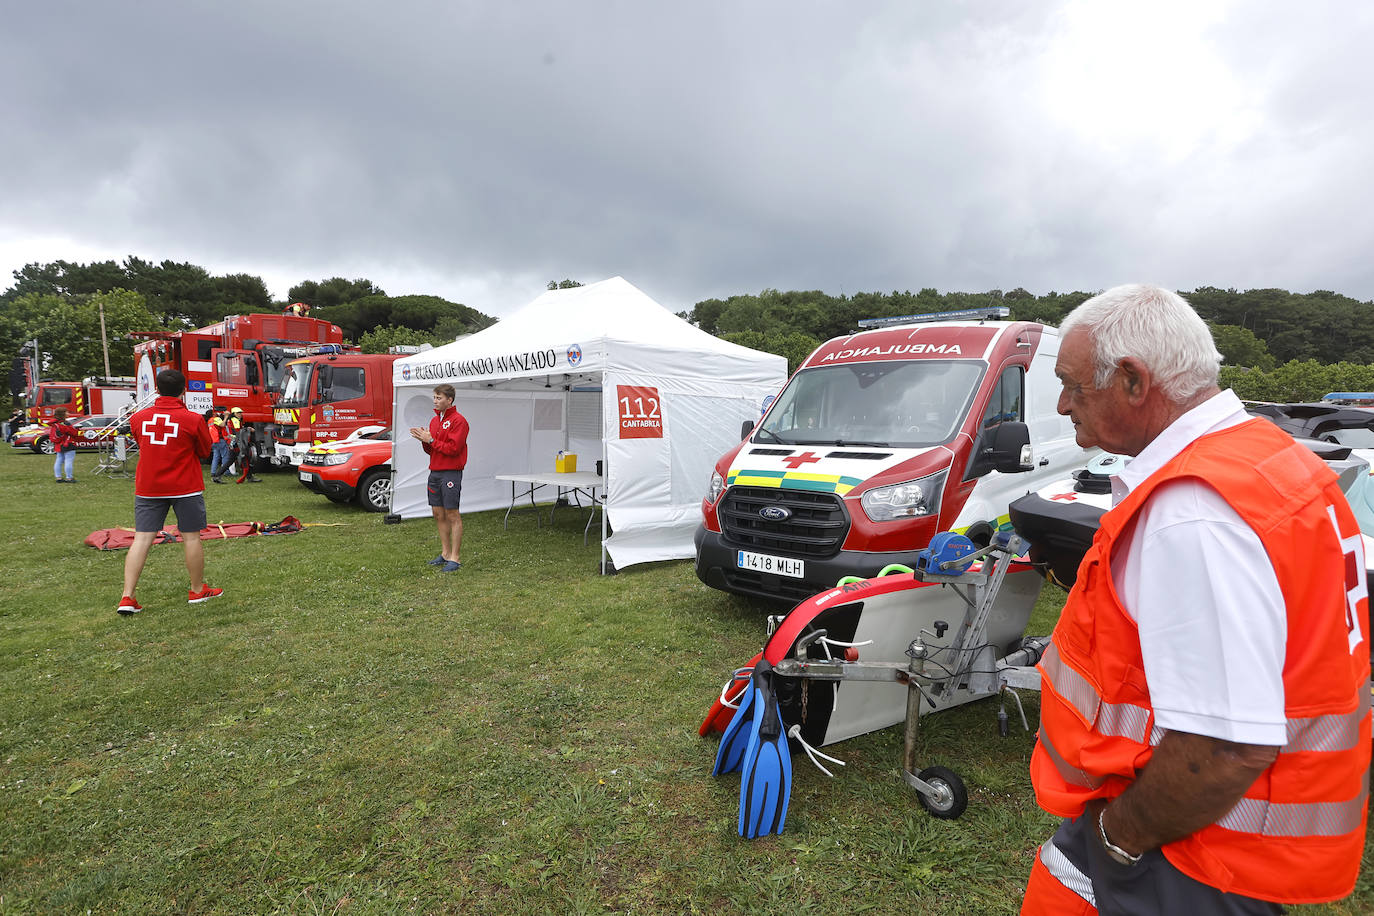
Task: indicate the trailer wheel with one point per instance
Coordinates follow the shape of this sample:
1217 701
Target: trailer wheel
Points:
953 797
374 490
44 446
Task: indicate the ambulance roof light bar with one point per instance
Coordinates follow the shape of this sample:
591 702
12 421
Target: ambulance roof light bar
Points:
980 314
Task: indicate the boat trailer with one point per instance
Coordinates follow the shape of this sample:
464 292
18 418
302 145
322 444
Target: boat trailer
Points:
941 676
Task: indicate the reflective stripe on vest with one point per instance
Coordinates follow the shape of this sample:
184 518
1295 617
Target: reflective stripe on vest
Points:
1066 873
1070 774
1250 815
1255 815
1119 720
1328 733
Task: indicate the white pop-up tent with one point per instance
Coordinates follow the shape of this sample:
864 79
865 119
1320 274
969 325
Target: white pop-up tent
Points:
602 371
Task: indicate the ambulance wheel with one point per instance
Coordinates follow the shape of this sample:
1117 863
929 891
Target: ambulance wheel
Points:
374 490
44 446
952 797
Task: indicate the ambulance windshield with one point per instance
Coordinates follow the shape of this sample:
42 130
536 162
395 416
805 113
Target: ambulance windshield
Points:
295 389
889 404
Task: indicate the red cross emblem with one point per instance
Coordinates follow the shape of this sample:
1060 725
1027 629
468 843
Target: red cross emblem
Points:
159 425
796 461
1065 496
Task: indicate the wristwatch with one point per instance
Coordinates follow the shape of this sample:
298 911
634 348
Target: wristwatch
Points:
1116 852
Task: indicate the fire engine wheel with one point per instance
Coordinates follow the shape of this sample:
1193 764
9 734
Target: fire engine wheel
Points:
951 797
374 490
44 446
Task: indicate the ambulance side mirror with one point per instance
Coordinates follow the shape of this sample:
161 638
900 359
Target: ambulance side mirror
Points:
745 429
1005 447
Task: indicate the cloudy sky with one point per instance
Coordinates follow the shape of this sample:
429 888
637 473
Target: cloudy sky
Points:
477 150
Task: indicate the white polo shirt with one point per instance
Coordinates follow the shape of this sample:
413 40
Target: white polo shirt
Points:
1196 579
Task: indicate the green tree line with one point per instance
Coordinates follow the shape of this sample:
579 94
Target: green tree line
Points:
1258 329
1277 345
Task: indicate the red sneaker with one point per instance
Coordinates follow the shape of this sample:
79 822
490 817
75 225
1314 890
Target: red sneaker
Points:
127 605
205 594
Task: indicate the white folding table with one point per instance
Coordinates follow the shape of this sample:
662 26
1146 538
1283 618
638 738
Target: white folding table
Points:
574 484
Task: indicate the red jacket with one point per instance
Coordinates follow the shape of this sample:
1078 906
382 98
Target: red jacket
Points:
63 436
449 450
171 443
219 430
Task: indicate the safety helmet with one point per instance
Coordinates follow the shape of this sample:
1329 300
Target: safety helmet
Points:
236 411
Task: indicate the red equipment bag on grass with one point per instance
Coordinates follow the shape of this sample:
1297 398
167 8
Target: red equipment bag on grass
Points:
121 538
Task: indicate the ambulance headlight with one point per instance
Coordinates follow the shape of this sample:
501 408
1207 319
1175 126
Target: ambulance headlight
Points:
717 485
337 458
905 500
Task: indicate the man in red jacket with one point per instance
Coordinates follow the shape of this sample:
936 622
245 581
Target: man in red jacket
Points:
446 444
172 442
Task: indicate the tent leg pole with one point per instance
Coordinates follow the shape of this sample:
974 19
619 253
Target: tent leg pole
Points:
605 499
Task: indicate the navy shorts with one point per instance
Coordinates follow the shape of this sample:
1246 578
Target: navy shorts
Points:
444 489
151 511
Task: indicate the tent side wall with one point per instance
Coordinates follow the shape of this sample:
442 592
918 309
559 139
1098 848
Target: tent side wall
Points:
656 483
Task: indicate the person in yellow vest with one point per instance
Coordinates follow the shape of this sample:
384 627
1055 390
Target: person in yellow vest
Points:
1205 723
219 438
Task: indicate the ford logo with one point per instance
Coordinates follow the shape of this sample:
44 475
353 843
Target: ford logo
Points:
775 513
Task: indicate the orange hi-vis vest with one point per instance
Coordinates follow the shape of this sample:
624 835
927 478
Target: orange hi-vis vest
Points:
1298 834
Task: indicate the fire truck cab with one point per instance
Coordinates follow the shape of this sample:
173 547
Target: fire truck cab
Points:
327 397
879 441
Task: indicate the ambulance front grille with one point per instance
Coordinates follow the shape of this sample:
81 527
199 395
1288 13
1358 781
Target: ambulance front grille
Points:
815 528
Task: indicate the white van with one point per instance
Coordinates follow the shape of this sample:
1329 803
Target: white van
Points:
879 441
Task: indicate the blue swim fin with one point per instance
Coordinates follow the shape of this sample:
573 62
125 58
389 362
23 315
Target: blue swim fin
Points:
766 772
735 738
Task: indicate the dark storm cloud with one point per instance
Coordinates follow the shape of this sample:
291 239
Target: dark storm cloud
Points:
478 150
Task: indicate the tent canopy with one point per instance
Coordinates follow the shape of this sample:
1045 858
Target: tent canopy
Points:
607 373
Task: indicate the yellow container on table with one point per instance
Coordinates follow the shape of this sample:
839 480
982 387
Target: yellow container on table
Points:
565 463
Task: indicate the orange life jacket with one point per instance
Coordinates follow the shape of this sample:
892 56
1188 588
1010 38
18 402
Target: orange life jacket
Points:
1298 834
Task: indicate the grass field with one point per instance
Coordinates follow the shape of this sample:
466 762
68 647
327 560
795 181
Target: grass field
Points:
347 730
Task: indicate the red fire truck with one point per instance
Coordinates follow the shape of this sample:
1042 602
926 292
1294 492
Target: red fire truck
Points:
237 362
88 397
327 397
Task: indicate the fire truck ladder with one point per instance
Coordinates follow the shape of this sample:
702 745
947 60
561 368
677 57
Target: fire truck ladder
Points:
112 449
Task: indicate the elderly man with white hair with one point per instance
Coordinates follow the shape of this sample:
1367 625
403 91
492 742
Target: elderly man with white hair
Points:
1205 727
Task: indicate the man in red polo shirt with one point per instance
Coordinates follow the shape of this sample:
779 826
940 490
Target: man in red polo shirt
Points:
172 442
446 444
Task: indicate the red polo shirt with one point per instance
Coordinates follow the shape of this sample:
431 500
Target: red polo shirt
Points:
449 450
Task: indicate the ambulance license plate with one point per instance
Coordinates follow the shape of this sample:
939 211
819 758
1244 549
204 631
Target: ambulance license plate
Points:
777 566
307 476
